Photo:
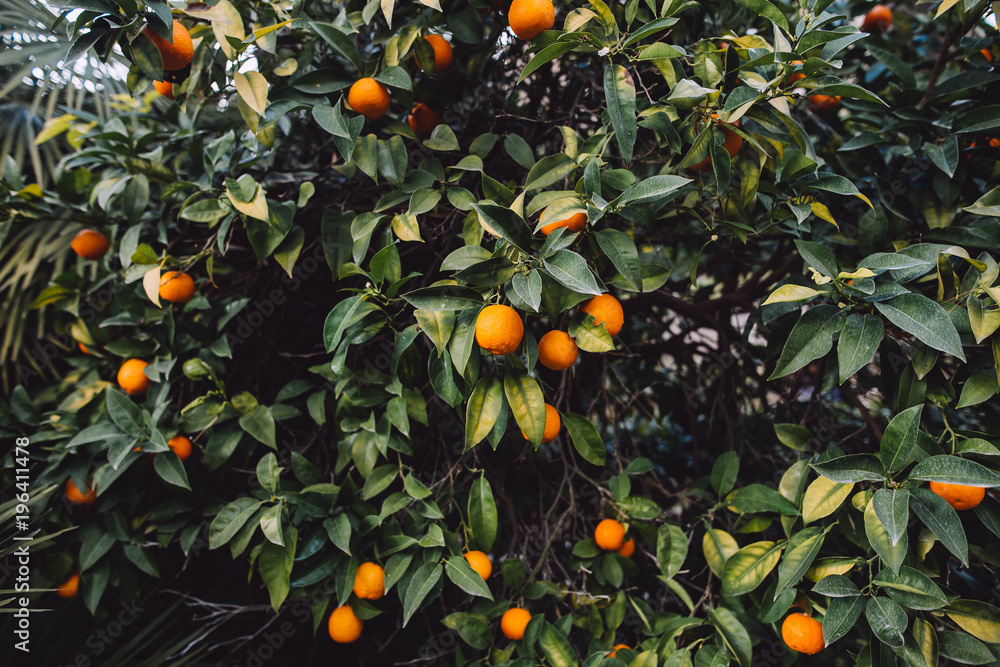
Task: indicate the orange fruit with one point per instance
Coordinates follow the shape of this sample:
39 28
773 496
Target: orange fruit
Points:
610 535
70 587
513 622
480 562
83 348
877 21
574 223
628 548
176 55
803 634
131 377
797 76
177 287
344 626
530 18
556 350
499 329
442 52
994 142
369 98
822 104
164 88
423 119
606 308
78 497
959 496
732 142
181 446
369 581
614 651
90 244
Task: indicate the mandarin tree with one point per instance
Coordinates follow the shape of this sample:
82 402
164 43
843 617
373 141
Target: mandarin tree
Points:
489 333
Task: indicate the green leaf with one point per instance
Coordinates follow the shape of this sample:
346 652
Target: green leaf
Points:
339 41
747 568
442 139
962 648
755 498
482 510
483 410
505 223
229 520
270 524
841 616
519 149
852 468
287 253
767 10
942 519
420 586
954 470
980 387
891 554
893 510
650 190
443 297
586 438
260 425
472 628
724 472
547 171
527 403
438 325
818 257
93 584
794 436
823 497
379 480
572 271
548 54
859 340
925 319
836 586
126 415
619 94
95 545
798 560
911 588
620 249
462 575
171 470
896 66
899 438
671 549
810 338
338 529
276 568
887 620
557 649
988 204
734 636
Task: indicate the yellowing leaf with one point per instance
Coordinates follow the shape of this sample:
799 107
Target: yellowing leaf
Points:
54 127
406 228
822 498
252 89
821 211
151 285
945 6
860 273
255 208
230 23
787 293
827 566
287 67
718 546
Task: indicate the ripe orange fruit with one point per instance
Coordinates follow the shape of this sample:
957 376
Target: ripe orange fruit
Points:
480 562
177 287
606 308
797 76
556 350
176 55
959 496
610 535
530 18
423 119
877 21
732 142
83 348
369 581
70 587
90 244
574 223
513 622
344 626
628 548
499 329
78 497
164 88
131 377
614 651
803 634
985 53
181 446
442 52
822 104
369 98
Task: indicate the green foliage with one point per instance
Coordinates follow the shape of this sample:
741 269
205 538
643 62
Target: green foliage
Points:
811 308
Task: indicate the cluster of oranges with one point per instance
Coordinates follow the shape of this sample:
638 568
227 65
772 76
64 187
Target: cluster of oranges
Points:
176 54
